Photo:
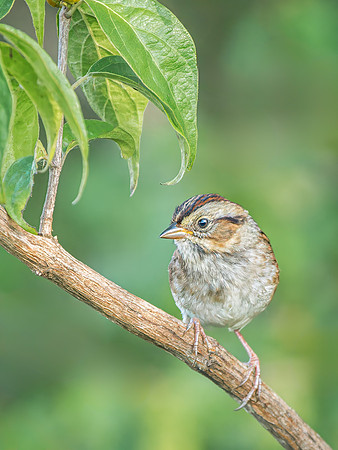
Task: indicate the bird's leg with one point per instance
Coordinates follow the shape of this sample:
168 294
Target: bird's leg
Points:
253 366
198 331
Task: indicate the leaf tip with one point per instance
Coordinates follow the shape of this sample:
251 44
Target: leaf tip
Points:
133 186
83 181
183 167
31 230
133 166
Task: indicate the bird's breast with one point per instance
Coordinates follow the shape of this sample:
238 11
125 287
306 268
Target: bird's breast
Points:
220 291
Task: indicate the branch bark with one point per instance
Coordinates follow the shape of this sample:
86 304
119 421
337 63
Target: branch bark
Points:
46 221
46 258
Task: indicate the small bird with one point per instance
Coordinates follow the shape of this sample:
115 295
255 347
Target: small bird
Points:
223 271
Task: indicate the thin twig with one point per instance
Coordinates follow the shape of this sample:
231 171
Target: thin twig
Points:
46 258
46 220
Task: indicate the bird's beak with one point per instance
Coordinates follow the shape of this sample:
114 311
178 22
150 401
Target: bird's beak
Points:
175 232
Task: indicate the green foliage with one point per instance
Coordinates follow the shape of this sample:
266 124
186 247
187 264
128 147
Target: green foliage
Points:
37 9
51 81
129 53
115 68
24 129
96 129
5 7
17 167
23 72
162 54
17 188
5 117
114 103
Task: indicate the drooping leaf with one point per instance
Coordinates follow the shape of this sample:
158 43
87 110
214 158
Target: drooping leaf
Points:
37 9
20 69
96 129
24 129
21 142
162 54
5 117
17 188
116 68
51 80
5 7
114 103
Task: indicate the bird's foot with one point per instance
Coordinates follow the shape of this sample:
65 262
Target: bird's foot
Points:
198 331
253 367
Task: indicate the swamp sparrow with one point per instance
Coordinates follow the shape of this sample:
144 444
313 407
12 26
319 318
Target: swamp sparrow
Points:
223 272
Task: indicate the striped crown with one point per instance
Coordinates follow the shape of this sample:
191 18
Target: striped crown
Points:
193 203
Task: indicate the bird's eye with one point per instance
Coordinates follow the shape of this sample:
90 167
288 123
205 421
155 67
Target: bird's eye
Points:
202 223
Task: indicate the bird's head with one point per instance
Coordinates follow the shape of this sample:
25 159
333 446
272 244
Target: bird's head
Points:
213 223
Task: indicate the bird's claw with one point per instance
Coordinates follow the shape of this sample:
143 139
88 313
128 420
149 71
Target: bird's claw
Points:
253 366
198 330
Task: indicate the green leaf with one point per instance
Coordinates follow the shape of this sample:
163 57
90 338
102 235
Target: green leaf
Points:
17 187
53 82
40 152
37 9
24 129
5 7
5 117
97 129
20 69
116 68
22 138
119 105
162 54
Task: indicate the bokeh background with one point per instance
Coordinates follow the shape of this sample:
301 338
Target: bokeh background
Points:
268 139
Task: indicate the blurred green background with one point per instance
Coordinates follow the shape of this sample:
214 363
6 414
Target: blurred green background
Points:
268 139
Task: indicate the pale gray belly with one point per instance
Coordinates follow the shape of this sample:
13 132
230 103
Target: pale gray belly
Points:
232 309
219 292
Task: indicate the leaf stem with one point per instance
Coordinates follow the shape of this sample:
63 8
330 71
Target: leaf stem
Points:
72 9
80 81
46 220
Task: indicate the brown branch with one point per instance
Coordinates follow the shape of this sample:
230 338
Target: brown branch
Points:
46 258
46 221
